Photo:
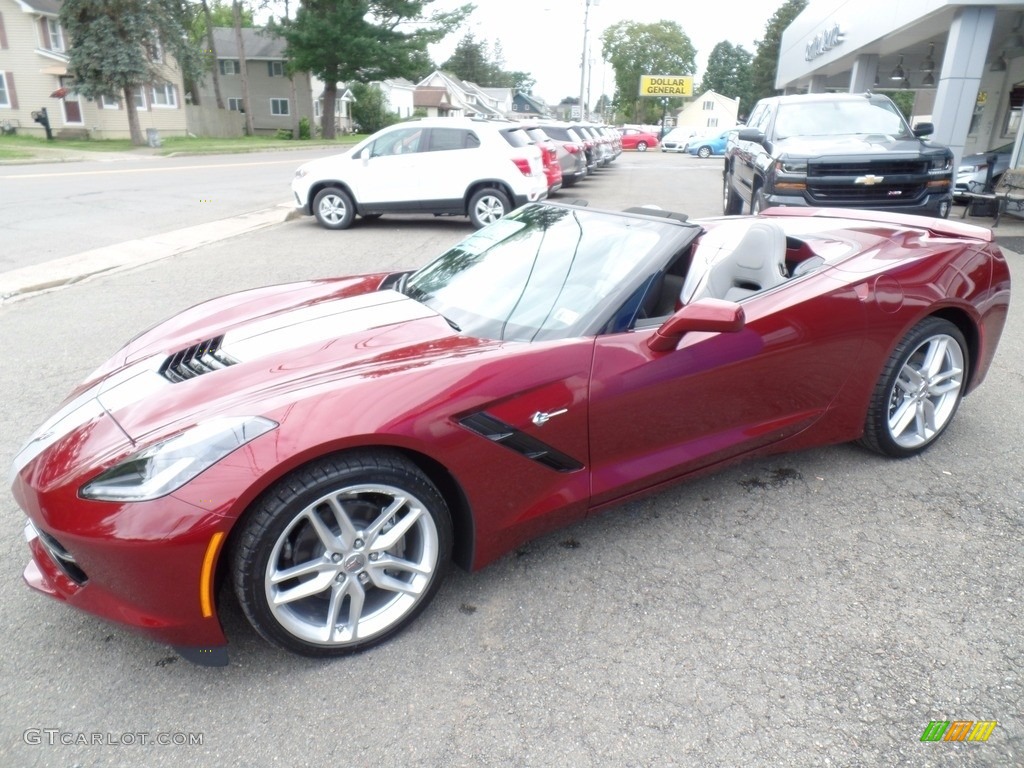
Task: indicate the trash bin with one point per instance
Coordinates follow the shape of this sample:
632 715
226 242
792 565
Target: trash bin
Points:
153 137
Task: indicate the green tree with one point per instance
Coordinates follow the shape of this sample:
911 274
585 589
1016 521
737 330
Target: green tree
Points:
118 45
370 108
729 73
345 40
646 49
474 61
766 58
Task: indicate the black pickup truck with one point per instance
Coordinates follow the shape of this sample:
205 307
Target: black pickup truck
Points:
836 150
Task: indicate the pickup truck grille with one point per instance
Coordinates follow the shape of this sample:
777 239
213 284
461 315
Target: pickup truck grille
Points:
892 182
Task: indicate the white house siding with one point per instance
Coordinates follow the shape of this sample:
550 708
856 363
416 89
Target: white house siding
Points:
697 115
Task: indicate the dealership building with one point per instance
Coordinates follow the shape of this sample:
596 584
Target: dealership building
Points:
964 61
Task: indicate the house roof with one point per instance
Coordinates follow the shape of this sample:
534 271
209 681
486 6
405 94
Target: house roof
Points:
429 96
46 7
259 44
535 104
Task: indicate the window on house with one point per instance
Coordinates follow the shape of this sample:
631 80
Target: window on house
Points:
712 122
139 96
56 35
279 107
5 99
164 95
229 67
709 106
109 102
1013 113
235 105
316 108
275 68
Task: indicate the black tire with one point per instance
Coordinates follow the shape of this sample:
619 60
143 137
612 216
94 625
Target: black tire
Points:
333 208
704 152
641 146
370 563
487 206
758 202
908 411
732 203
371 216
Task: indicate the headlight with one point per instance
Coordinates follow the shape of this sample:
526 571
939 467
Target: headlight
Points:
166 466
792 166
941 163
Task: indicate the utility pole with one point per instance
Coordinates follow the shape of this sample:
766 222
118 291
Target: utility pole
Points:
583 57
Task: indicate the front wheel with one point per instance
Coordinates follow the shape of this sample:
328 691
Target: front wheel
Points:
333 208
342 553
918 391
704 152
732 203
641 146
758 202
487 206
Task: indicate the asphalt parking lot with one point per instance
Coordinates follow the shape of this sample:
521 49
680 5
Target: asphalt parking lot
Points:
816 609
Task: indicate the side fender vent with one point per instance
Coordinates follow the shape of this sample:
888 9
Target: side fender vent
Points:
508 436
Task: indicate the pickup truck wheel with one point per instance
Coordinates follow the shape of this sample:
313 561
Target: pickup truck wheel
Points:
732 204
758 203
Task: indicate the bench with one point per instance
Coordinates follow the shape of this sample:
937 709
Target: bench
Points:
1009 191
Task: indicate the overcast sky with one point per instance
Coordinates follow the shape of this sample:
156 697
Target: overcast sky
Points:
545 37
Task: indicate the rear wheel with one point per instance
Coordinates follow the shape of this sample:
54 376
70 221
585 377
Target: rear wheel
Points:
918 391
333 208
342 553
487 206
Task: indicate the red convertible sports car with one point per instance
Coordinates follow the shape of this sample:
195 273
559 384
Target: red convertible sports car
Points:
328 447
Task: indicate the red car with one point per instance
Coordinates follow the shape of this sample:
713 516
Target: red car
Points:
328 447
633 138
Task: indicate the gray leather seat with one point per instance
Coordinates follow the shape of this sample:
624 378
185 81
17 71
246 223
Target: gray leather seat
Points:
757 263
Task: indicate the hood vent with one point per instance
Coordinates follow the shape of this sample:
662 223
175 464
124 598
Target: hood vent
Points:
204 357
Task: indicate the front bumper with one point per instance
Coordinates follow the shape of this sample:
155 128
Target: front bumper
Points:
934 205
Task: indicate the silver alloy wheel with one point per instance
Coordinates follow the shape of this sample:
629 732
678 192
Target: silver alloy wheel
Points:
489 209
352 564
704 152
333 209
926 391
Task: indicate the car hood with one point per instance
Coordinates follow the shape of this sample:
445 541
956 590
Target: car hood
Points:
866 144
251 354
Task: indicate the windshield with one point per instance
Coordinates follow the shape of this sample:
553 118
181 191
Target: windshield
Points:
840 118
543 272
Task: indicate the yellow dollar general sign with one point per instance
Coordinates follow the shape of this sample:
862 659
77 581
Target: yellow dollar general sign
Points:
665 85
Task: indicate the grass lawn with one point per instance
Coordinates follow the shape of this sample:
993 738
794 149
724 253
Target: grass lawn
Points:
27 147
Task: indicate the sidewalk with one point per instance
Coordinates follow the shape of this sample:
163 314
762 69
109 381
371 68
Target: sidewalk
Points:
1009 234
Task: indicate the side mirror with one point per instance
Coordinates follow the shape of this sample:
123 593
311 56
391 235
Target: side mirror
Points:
707 315
924 129
750 134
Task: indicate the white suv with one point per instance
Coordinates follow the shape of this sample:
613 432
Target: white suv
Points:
447 165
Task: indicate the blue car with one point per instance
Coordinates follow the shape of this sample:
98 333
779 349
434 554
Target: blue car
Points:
708 145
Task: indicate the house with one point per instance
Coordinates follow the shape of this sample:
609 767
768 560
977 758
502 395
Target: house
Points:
464 99
343 100
34 76
399 94
436 102
525 105
707 112
271 97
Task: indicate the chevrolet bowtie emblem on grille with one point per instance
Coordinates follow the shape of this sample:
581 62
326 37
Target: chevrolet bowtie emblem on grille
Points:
869 179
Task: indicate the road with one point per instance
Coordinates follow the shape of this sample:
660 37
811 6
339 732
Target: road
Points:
806 610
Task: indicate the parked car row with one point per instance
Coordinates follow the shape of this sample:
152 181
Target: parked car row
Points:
472 167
